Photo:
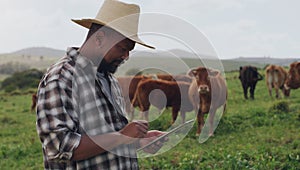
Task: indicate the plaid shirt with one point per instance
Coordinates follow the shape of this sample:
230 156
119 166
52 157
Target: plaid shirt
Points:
72 102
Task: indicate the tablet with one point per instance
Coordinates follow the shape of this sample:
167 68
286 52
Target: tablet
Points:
168 133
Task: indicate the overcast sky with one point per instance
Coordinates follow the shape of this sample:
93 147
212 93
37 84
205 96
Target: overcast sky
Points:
249 28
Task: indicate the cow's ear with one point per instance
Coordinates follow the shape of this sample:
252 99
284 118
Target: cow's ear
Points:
213 73
192 72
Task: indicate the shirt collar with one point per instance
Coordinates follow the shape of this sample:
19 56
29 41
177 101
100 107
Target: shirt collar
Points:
81 61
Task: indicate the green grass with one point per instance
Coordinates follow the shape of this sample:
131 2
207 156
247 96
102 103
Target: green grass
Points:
249 136
20 147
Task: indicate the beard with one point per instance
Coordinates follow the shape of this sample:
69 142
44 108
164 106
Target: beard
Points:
110 67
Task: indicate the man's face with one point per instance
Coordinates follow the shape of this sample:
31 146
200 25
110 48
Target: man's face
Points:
116 54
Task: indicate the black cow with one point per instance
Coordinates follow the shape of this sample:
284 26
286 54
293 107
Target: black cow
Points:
249 76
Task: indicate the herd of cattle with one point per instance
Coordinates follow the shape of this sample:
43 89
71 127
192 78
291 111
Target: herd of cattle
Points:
276 77
202 89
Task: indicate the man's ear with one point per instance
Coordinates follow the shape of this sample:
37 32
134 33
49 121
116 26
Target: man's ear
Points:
99 36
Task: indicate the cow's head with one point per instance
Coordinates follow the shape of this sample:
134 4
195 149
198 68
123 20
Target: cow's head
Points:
293 80
249 73
203 76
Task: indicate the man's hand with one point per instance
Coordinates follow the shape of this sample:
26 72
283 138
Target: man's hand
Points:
135 130
152 135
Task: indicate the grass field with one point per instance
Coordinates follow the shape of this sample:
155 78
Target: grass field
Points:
250 135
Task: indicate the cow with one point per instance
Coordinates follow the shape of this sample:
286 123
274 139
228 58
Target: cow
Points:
207 92
249 76
33 101
293 80
129 85
275 78
161 94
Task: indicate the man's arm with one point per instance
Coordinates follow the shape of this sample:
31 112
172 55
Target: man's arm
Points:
93 145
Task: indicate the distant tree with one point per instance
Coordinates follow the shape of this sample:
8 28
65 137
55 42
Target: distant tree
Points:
11 67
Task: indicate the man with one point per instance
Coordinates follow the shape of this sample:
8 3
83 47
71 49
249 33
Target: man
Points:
80 110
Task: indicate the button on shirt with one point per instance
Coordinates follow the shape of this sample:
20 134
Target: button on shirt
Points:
73 101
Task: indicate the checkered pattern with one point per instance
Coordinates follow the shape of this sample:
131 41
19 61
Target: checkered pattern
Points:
72 102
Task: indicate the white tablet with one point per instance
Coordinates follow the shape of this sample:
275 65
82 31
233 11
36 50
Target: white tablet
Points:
168 133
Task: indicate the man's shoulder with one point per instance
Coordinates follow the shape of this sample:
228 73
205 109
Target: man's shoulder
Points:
63 69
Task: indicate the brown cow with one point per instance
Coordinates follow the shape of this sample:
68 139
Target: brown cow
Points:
33 101
161 94
275 78
293 80
249 77
207 93
128 85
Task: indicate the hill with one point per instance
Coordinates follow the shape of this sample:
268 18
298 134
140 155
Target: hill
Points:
35 57
172 61
39 51
267 60
176 65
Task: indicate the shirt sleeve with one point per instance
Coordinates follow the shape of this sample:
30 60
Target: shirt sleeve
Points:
57 124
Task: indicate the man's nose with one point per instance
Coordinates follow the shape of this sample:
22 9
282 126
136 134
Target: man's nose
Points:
125 56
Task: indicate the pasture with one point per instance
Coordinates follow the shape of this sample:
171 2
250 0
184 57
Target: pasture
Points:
253 134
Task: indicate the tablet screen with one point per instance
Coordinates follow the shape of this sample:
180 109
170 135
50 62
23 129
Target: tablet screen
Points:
176 129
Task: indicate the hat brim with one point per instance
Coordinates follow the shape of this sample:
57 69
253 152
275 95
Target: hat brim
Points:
88 22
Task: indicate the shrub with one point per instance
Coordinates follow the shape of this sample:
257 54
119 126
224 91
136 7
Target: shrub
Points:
279 107
22 80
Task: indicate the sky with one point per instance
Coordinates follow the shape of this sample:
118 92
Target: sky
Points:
229 28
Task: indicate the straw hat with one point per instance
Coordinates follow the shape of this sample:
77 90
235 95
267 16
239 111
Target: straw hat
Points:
119 16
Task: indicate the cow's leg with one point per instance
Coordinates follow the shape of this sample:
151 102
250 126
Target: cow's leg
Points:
175 111
252 88
131 112
182 114
146 115
34 100
131 115
200 119
142 115
144 111
245 88
270 89
277 93
277 90
211 121
33 106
